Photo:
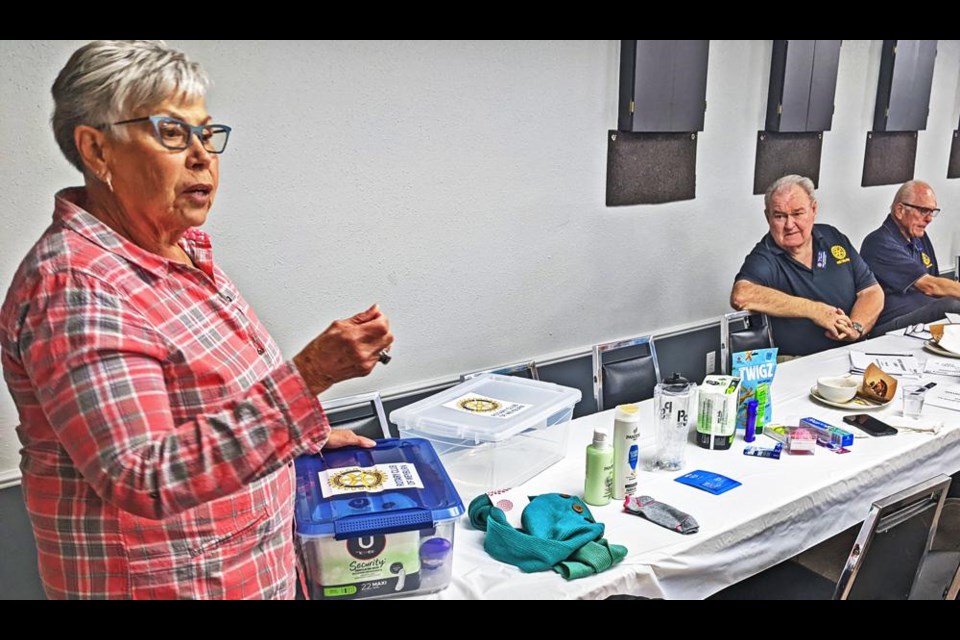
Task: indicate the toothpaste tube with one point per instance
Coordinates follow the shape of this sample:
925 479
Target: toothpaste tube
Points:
828 433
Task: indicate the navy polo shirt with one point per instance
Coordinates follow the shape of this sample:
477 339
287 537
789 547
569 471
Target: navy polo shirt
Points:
897 263
838 274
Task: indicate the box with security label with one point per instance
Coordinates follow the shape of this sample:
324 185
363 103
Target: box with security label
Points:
493 431
375 523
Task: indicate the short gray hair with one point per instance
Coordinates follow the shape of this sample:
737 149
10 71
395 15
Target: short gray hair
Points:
106 80
907 191
787 181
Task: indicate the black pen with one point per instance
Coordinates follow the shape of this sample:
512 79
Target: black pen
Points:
930 385
900 355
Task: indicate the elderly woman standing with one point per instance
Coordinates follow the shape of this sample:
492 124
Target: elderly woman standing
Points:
157 417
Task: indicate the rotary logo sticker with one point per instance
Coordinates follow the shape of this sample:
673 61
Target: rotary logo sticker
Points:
359 479
485 406
839 253
479 405
926 259
373 479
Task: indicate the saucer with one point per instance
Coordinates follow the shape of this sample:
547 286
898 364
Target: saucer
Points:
857 404
933 347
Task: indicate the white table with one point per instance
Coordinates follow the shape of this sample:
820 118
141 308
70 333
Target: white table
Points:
783 507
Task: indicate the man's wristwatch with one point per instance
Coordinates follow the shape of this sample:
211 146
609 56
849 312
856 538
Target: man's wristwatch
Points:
858 327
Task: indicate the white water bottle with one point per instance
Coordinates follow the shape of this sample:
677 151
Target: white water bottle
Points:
626 450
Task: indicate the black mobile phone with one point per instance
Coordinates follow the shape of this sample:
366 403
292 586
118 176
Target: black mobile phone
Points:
870 424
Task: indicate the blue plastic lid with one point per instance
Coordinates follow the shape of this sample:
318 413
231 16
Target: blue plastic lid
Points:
370 512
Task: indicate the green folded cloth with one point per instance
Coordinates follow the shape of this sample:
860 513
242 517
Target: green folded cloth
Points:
558 533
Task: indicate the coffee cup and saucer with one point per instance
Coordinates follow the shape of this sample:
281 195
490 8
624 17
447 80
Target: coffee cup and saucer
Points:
841 392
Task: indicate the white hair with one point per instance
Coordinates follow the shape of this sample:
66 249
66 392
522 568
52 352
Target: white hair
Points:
908 190
787 181
106 80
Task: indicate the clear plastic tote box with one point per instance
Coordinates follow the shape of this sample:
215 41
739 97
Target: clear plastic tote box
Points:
375 522
493 431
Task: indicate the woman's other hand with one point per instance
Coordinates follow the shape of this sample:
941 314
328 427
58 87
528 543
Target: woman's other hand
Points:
349 348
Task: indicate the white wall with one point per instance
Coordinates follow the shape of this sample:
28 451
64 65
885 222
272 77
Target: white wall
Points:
461 186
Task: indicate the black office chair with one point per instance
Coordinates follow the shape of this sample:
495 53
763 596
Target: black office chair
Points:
521 370
363 414
624 371
743 331
891 558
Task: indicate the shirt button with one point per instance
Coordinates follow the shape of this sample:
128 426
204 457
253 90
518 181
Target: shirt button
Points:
226 297
261 350
155 495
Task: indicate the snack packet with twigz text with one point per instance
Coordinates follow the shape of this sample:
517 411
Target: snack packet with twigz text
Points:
755 369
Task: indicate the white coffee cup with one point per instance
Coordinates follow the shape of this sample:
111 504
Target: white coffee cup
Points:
837 388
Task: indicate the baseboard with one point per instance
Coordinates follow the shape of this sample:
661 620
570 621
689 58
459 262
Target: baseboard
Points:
9 478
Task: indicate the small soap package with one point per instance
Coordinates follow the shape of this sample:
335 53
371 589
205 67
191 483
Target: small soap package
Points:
800 440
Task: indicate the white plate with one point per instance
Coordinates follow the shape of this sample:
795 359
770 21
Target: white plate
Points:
933 347
857 404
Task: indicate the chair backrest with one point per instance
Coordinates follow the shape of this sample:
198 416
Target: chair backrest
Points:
743 331
953 591
520 369
624 371
363 414
894 540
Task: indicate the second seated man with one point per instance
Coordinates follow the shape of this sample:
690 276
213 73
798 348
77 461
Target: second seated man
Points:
817 290
901 256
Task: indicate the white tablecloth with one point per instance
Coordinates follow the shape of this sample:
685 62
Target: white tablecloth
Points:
783 507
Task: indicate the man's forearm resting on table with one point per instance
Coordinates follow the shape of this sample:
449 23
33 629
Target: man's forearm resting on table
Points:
937 287
748 296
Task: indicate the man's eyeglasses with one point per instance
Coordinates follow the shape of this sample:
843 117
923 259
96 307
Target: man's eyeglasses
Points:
175 134
924 211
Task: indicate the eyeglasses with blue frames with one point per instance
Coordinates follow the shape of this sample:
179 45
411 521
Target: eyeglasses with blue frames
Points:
924 211
175 134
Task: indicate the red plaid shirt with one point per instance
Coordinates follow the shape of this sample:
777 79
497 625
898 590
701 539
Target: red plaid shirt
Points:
157 417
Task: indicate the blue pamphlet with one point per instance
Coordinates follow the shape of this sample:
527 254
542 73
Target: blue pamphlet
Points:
708 481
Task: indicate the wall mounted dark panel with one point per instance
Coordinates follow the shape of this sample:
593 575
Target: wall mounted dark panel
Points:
650 168
803 83
953 165
663 85
781 154
903 89
890 158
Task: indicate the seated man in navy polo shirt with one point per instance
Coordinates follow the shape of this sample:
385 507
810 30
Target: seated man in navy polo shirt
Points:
901 257
808 278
